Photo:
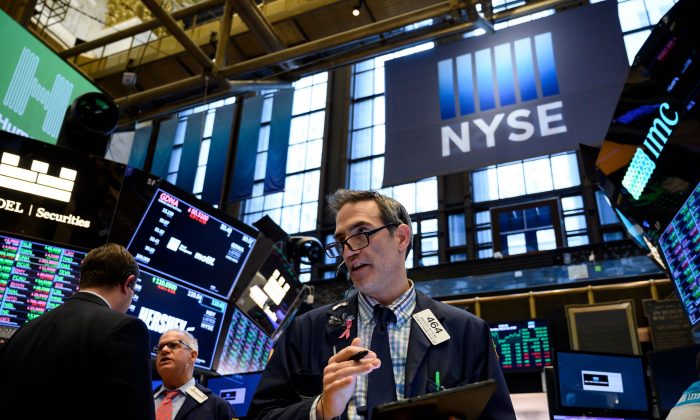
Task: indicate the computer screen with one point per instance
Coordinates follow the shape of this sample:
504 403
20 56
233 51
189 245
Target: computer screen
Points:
272 294
36 85
672 372
601 384
522 345
246 347
680 246
650 153
35 277
195 244
237 389
54 194
163 304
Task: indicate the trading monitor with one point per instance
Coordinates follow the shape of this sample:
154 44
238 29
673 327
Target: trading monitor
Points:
36 85
272 294
601 384
672 372
163 304
246 347
680 246
522 345
237 389
648 160
195 244
35 277
54 194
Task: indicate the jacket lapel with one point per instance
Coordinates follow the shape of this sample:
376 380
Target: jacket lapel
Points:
336 323
187 406
418 343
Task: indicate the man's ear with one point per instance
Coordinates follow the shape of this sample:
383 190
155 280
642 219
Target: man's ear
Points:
128 283
403 234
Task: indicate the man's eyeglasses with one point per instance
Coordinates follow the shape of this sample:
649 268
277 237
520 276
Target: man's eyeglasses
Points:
172 345
354 242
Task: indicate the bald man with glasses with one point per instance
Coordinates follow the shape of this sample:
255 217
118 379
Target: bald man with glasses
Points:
385 342
180 397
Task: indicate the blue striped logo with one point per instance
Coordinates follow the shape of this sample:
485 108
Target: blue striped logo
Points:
506 74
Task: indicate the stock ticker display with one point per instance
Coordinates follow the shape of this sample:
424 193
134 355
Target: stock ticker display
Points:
680 244
180 240
523 345
246 348
163 305
34 278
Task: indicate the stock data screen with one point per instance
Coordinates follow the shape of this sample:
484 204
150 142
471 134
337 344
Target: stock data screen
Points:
191 245
163 305
246 348
523 345
680 244
34 278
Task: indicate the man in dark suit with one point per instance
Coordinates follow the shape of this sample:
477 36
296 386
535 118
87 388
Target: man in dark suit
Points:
427 345
85 359
180 398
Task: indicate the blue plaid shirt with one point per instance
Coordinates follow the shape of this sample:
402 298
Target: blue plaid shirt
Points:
398 342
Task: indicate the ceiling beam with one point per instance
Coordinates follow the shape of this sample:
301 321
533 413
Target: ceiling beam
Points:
347 37
224 36
179 34
258 24
137 29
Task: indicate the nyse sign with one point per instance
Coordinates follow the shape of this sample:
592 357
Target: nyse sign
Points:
547 119
530 90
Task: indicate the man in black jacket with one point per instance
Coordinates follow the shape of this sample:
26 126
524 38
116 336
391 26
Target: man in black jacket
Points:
180 398
85 359
425 345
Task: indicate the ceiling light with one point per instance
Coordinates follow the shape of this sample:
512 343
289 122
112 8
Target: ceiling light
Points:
356 11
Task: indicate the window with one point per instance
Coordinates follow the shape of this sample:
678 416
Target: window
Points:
366 151
525 177
574 220
179 139
526 227
295 209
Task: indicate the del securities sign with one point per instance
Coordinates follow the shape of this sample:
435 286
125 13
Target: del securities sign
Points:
537 88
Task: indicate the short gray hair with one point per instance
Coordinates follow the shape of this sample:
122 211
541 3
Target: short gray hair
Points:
190 340
391 210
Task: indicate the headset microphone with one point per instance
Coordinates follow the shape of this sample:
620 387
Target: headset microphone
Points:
342 272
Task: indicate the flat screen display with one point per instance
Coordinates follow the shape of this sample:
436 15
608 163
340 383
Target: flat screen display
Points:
163 304
672 373
601 384
35 277
650 153
238 390
272 294
680 245
55 194
181 237
36 85
523 345
246 348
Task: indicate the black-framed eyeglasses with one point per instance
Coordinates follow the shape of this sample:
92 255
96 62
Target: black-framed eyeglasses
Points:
354 242
172 345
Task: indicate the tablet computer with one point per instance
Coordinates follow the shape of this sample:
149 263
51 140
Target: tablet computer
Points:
465 402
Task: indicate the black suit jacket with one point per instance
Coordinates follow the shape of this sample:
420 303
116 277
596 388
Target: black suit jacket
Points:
213 408
294 375
81 360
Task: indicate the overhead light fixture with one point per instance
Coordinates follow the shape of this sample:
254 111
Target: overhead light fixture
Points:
356 9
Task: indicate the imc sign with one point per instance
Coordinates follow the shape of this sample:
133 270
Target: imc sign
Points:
538 88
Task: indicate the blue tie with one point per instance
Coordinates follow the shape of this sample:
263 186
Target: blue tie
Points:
381 387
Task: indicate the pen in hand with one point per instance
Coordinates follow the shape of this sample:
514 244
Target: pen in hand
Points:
359 355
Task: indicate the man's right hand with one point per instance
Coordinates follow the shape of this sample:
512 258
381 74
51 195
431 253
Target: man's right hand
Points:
339 378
